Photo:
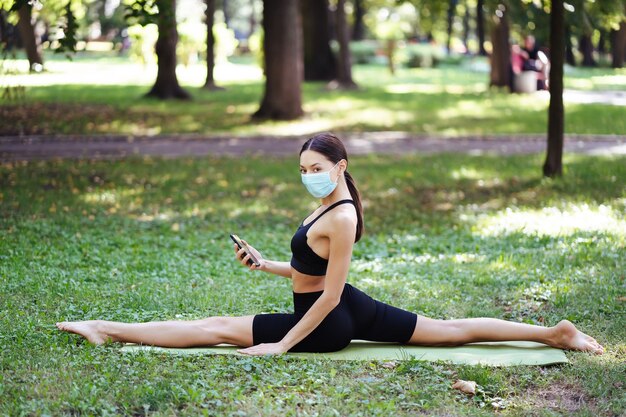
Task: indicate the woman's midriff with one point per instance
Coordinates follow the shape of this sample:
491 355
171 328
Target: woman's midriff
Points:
306 283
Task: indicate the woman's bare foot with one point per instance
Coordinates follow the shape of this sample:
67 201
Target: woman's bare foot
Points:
567 336
90 330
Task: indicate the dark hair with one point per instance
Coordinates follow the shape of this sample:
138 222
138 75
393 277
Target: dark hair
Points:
332 148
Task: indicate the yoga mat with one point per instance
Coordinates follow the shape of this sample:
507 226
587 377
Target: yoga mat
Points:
492 353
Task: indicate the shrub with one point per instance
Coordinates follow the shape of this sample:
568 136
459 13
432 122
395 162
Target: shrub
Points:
422 55
363 52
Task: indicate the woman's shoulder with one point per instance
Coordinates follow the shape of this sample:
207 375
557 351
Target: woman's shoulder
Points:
342 218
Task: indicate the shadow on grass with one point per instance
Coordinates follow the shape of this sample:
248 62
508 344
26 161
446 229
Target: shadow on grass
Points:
121 109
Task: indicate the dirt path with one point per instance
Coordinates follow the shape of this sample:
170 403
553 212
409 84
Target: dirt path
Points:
172 146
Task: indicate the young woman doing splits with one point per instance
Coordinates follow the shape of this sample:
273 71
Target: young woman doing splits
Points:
328 312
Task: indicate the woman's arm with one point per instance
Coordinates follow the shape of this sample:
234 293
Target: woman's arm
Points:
341 243
274 267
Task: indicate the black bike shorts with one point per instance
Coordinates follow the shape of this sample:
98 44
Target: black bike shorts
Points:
358 316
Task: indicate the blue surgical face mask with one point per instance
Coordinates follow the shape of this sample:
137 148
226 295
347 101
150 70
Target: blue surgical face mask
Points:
319 185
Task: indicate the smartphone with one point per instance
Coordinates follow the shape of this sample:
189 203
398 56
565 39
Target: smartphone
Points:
241 244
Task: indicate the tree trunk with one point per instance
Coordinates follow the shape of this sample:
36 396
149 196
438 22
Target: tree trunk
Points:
166 85
618 44
466 27
569 49
553 165
282 45
451 14
319 61
344 77
390 50
601 43
4 35
480 28
252 19
210 46
29 40
586 49
500 75
358 30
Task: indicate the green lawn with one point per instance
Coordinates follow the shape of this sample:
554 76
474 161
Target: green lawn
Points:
103 94
447 236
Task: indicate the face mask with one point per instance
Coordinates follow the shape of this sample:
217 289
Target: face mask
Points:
320 184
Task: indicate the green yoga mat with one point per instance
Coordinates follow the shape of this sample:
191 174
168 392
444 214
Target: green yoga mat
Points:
492 353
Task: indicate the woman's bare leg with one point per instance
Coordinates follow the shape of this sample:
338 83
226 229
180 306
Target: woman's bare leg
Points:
458 332
203 332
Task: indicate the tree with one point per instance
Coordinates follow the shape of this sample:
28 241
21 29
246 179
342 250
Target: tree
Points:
358 27
586 49
344 76
466 26
450 21
610 15
210 46
59 11
27 33
480 27
618 45
282 45
553 165
166 85
319 61
579 18
499 75
569 49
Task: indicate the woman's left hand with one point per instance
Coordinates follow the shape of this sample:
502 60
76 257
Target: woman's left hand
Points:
264 349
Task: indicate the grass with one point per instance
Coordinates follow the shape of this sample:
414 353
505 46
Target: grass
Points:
103 94
447 236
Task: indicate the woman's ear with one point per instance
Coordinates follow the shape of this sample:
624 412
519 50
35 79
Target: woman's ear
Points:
343 165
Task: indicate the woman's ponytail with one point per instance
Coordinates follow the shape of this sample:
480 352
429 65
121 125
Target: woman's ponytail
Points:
356 196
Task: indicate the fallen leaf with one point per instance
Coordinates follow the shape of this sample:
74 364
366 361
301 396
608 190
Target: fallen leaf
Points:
468 387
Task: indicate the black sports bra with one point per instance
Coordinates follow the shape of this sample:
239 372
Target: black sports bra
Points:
303 258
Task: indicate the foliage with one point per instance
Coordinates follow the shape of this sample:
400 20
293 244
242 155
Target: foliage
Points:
362 52
447 236
142 12
67 43
422 55
142 40
255 44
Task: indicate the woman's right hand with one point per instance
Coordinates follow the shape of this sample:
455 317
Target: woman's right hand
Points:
243 257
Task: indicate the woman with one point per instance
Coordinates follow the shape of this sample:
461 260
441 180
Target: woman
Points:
328 312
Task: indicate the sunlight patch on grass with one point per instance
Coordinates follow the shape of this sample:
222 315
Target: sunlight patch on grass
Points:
552 221
414 88
303 126
467 173
379 264
609 80
257 207
465 108
580 84
428 88
86 73
123 73
388 118
104 197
